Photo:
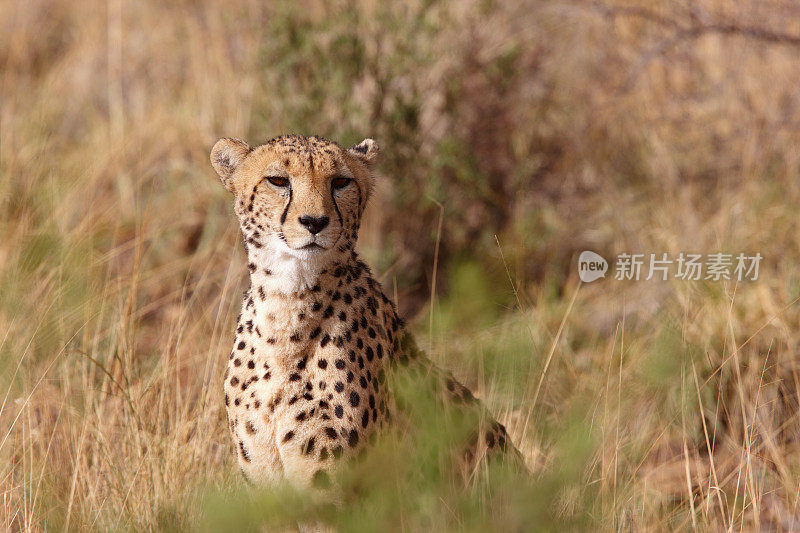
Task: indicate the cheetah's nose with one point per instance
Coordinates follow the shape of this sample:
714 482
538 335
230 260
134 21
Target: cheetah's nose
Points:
314 224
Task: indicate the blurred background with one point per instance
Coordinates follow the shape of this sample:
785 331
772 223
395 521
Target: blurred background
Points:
514 135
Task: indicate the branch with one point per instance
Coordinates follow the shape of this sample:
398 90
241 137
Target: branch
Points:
686 30
754 32
696 28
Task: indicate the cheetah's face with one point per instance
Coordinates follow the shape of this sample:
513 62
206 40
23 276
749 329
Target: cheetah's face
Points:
301 196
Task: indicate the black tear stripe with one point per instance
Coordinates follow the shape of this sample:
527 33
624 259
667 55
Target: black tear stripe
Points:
311 162
360 196
286 209
338 213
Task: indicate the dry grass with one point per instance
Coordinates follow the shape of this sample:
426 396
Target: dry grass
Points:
556 126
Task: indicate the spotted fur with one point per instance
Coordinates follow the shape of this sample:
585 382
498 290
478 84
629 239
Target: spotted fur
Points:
306 385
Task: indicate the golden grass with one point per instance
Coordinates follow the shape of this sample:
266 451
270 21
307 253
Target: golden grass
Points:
652 128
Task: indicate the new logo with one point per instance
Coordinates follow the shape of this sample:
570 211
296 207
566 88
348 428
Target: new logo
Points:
591 266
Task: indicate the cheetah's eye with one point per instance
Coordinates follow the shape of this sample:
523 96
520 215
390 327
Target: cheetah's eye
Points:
278 181
340 182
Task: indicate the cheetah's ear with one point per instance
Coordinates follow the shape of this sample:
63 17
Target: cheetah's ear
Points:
366 151
226 155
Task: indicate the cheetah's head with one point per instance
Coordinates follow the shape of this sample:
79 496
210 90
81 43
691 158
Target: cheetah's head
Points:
299 200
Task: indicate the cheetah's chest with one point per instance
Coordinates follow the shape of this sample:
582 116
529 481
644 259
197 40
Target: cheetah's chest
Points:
307 378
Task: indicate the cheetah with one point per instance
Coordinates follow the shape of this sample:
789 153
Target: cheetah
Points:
306 383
